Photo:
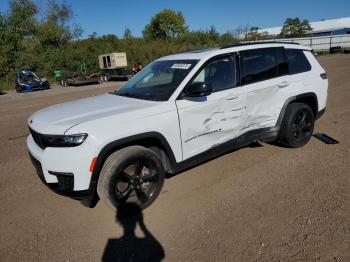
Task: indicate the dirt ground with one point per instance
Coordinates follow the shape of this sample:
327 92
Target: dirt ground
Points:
259 203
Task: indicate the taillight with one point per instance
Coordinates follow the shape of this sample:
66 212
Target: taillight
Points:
323 76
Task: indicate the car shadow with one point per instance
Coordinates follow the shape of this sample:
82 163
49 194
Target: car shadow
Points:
129 247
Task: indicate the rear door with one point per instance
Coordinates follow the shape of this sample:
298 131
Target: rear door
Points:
264 78
211 120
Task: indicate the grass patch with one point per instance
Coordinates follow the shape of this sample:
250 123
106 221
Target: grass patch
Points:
6 85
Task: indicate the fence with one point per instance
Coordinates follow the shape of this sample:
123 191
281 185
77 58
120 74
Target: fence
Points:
321 43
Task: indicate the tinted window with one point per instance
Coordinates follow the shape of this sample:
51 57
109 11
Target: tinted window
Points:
262 64
219 73
297 62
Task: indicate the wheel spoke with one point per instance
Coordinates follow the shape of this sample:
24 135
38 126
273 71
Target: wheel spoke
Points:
303 116
123 177
294 129
126 192
150 177
307 127
141 195
138 168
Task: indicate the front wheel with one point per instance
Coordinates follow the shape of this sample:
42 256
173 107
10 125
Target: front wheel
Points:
131 175
297 125
18 89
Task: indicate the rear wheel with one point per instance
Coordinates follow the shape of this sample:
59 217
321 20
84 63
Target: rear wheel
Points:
18 89
297 125
131 175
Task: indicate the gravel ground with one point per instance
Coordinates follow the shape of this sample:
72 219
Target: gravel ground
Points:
259 203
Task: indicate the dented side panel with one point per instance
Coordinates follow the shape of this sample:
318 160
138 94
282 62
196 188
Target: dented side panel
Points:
264 101
209 121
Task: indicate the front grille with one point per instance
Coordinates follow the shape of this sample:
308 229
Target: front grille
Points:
38 138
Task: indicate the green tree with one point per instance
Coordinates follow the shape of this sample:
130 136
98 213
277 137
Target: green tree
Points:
167 24
127 33
254 35
54 31
294 27
15 27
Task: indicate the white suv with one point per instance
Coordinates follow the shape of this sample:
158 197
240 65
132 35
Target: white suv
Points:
179 111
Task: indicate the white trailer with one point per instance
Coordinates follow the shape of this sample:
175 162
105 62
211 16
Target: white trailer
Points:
114 66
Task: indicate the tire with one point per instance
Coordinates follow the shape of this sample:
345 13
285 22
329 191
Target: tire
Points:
123 177
18 89
297 125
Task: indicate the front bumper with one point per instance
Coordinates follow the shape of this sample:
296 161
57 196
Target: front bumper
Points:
65 171
64 186
65 182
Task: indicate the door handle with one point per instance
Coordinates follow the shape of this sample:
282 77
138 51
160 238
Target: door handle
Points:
283 84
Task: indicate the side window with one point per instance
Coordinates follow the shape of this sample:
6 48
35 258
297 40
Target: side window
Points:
297 62
262 64
221 74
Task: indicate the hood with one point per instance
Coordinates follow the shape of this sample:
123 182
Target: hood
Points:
59 118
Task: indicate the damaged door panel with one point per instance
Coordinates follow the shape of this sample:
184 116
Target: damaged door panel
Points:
265 81
263 104
210 120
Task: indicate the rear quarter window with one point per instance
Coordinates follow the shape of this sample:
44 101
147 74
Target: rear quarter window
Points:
297 61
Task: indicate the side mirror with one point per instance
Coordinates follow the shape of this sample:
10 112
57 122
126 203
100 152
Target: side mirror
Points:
199 89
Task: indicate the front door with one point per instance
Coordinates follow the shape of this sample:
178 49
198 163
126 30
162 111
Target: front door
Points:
211 120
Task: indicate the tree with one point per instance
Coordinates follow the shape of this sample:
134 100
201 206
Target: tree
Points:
254 34
127 33
15 27
167 24
59 14
54 31
293 27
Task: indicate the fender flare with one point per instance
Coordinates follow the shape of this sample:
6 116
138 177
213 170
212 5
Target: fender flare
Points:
293 99
127 141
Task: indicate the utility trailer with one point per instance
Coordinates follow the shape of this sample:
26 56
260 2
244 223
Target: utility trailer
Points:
81 80
114 66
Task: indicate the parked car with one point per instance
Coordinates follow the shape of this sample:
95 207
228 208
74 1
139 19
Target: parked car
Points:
27 81
179 111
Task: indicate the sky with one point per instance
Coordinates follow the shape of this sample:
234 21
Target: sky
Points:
113 16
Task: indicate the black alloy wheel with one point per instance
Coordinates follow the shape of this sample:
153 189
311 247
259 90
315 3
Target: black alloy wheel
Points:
131 175
302 124
297 125
137 181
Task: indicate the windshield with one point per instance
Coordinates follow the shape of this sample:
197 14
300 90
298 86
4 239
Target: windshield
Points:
158 80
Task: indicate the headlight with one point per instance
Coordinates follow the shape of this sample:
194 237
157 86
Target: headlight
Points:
64 140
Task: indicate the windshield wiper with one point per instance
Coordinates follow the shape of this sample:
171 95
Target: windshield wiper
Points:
127 94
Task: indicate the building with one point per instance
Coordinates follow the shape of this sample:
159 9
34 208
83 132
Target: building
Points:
328 27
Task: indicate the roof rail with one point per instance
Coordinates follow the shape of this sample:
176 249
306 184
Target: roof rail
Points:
199 50
257 43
